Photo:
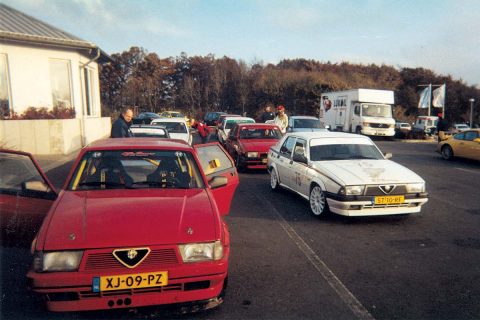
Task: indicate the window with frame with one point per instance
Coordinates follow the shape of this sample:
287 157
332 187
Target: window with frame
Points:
89 94
287 147
60 82
4 87
471 135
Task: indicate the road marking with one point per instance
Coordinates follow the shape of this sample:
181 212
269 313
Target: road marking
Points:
467 170
350 300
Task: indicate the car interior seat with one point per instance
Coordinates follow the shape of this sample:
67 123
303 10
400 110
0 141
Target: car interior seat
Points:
168 174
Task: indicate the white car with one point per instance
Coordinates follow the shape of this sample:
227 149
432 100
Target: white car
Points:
345 174
149 131
177 128
460 127
228 123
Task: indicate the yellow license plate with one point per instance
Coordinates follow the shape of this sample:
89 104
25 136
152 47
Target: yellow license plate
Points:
389 200
134 281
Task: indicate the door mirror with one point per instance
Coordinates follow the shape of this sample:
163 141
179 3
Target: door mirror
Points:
388 155
217 182
300 158
327 127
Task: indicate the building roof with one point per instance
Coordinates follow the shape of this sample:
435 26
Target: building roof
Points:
16 26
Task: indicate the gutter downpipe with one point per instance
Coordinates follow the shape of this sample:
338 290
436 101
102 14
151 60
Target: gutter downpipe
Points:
82 127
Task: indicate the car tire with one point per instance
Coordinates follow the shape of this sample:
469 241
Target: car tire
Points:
318 201
274 180
447 152
238 164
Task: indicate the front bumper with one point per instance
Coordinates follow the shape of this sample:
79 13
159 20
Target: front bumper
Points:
363 206
254 163
386 132
187 282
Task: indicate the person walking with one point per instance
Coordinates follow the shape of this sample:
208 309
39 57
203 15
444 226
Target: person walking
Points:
281 120
121 126
442 126
267 114
202 129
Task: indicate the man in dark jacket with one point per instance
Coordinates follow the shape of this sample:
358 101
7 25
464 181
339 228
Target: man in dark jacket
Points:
268 114
121 126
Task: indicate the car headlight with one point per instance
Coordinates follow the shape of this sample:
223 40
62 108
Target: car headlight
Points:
57 261
415 187
196 252
351 190
252 154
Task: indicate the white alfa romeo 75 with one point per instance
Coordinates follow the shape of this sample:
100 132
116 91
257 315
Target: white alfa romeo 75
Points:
345 174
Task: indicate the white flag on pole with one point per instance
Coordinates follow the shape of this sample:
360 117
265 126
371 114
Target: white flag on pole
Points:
439 97
424 101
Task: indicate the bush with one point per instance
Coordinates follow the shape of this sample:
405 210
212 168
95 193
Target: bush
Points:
33 113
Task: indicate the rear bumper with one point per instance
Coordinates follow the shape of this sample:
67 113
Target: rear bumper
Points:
72 291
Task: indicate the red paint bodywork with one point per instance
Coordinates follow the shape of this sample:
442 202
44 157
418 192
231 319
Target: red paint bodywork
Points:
240 147
160 219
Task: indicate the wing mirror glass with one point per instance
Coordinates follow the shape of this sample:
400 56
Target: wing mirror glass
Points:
388 155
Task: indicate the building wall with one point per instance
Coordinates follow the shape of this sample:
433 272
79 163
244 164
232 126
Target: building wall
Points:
29 78
52 136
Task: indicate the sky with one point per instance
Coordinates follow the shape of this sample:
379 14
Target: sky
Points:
441 35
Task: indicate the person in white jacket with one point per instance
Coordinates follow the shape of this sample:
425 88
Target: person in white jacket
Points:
281 119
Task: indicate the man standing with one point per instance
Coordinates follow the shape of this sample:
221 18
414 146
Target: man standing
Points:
442 126
281 120
268 114
121 126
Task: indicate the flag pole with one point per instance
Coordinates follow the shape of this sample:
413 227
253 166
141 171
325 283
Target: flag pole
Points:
429 98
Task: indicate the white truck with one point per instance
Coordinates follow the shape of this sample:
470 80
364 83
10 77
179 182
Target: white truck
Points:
363 111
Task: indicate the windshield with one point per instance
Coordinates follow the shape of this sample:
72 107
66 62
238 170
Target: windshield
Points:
377 110
260 133
306 123
231 123
136 169
173 127
344 152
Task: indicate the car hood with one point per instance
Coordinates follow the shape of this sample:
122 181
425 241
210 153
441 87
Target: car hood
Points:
358 172
118 218
260 145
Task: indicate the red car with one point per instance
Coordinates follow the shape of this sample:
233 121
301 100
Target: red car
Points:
139 222
25 197
248 144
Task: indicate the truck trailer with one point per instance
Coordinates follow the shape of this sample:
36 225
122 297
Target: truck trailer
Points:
363 111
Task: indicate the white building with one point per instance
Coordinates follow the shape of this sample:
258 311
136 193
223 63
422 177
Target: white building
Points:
42 66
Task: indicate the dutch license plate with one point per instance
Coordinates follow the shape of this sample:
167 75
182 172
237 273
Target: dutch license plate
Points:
389 200
130 281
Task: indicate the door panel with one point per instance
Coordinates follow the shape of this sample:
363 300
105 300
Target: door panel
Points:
215 161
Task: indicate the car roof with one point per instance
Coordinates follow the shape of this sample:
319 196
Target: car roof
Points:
258 125
238 118
169 120
138 143
325 134
304 117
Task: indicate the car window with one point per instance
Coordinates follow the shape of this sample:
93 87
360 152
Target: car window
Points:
173 127
213 159
344 152
287 146
137 169
459 136
306 123
260 133
471 135
300 147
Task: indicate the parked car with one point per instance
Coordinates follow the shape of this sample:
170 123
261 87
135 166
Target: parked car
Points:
25 197
175 114
248 144
460 127
145 118
222 116
228 123
345 174
465 144
304 123
177 128
139 222
402 129
150 131
211 117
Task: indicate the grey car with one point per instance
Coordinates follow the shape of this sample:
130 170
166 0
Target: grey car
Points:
304 124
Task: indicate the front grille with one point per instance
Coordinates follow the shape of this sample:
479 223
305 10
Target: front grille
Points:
376 191
400 205
379 125
106 260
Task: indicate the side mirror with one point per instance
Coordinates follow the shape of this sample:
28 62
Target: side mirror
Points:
217 182
300 158
35 186
327 127
388 155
